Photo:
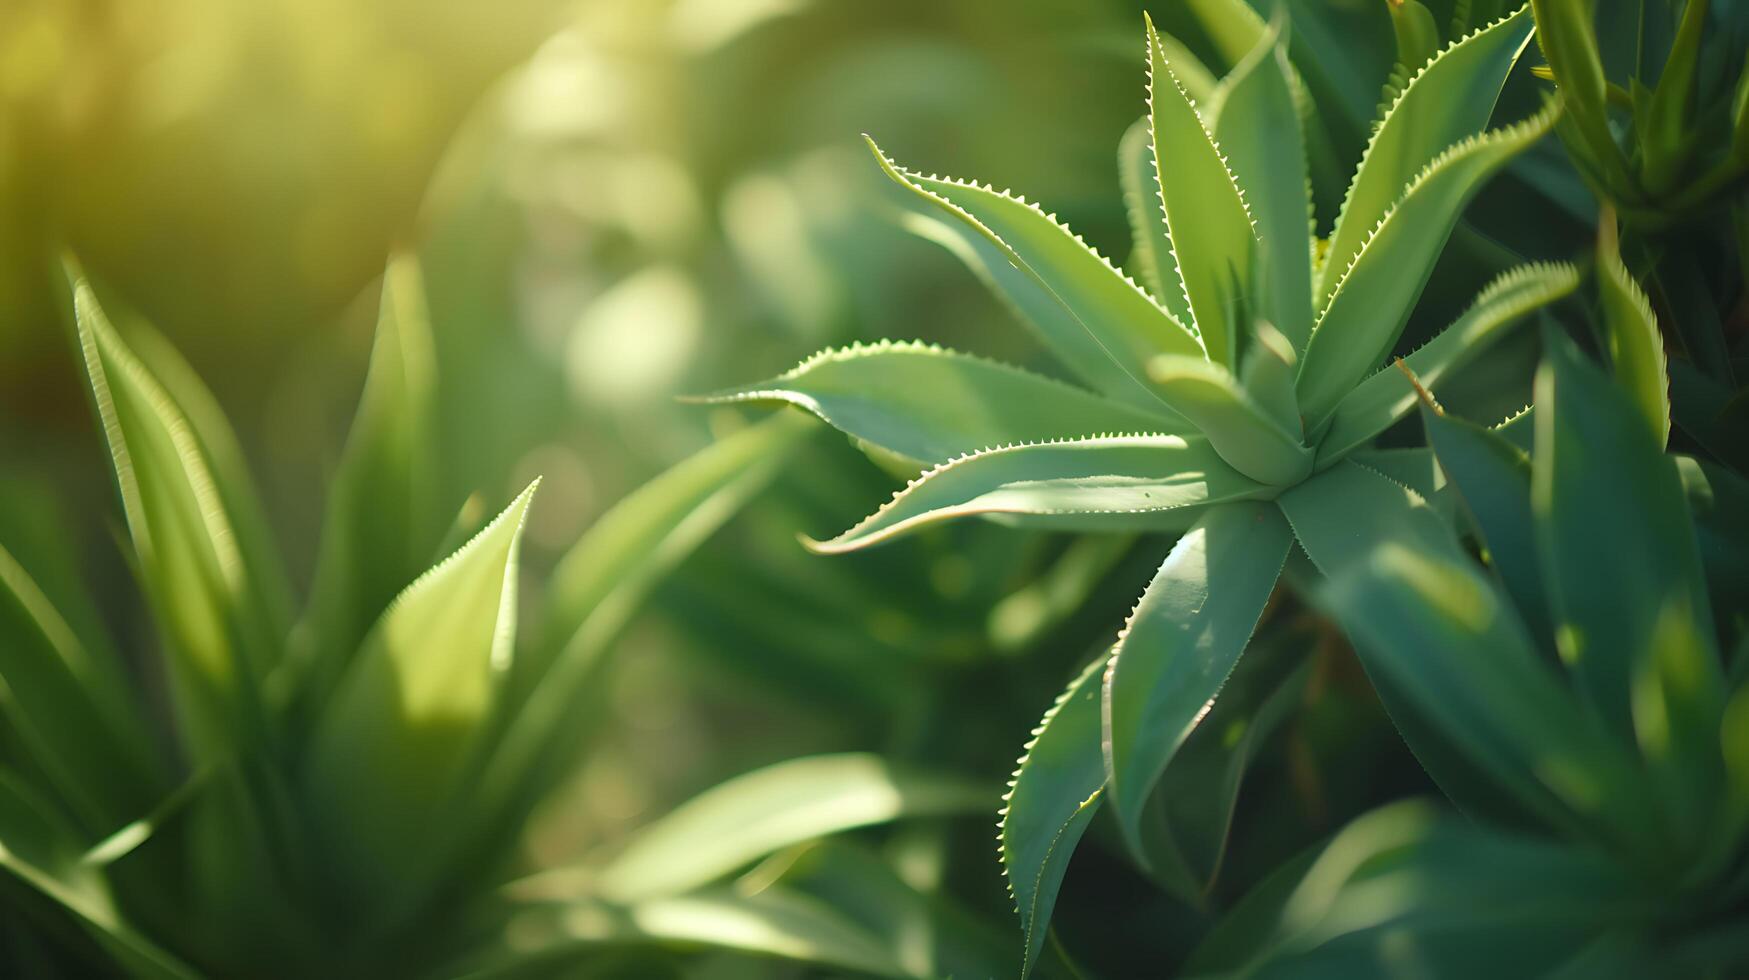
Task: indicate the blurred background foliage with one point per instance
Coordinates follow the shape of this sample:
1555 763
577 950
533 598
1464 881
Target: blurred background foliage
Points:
617 203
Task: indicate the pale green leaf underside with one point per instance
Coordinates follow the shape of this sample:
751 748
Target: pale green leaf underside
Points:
928 405
1239 429
1054 794
1182 641
1449 99
1371 302
1102 326
748 817
1133 482
1211 232
1387 395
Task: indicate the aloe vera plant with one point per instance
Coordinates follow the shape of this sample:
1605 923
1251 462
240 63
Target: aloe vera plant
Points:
1233 399
341 797
1599 728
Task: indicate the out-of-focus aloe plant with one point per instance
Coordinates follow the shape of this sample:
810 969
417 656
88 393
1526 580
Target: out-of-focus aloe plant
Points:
1578 682
1233 399
1657 126
340 798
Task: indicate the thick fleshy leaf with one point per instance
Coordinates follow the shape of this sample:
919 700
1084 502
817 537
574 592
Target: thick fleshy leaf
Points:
1567 35
1151 244
1242 431
1636 349
1340 517
750 816
1181 642
1599 466
1139 482
1492 477
1387 396
1212 236
1259 130
71 714
406 719
928 405
379 530
1448 644
1406 880
218 636
1371 301
1446 101
1054 794
1101 325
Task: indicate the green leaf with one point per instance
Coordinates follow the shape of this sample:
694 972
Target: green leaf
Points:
42 855
750 816
379 531
1259 130
1598 467
1417 34
928 405
597 588
1055 792
217 634
1340 516
1139 482
1102 326
71 713
1240 430
1566 33
1387 395
1151 258
1181 642
1636 349
405 722
1372 299
1492 476
1442 637
1212 235
1446 101
775 922
1407 884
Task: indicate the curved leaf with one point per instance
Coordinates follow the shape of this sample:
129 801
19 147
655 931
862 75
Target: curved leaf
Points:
1372 300
1151 256
1211 233
1598 466
750 816
1055 792
1181 642
407 716
1102 326
1449 99
218 635
1135 482
378 530
929 405
1259 129
1441 634
1387 395
1636 349
1239 429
